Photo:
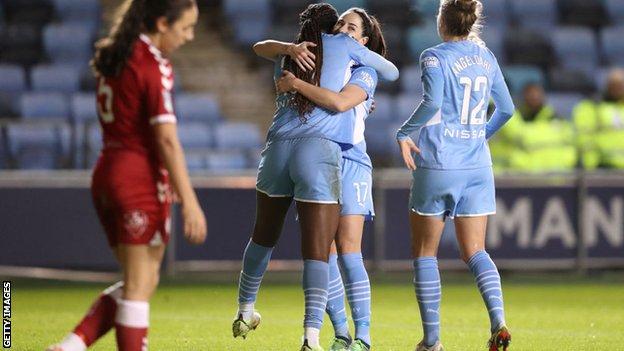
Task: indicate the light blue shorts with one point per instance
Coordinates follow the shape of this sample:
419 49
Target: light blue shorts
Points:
307 169
357 185
453 193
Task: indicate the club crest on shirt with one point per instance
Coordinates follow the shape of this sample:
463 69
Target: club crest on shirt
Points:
430 62
136 222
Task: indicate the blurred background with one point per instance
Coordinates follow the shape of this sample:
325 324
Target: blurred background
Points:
559 161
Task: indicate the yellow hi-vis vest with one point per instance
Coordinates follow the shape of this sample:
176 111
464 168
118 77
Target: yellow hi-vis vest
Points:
545 144
600 133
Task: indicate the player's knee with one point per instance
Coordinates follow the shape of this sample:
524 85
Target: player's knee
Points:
347 245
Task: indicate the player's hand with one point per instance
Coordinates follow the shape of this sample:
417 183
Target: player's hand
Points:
194 223
407 147
302 56
286 83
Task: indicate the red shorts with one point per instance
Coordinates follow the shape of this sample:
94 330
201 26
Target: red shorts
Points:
132 199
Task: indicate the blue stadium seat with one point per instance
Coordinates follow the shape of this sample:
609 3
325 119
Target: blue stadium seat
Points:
420 38
226 160
237 135
55 78
197 107
518 76
39 146
343 5
83 108
384 107
246 8
570 80
380 137
411 79
495 12
564 103
93 145
601 78
68 43
78 10
44 105
616 11
426 8
534 14
250 30
576 48
495 41
405 105
12 78
612 43
20 43
195 135
195 161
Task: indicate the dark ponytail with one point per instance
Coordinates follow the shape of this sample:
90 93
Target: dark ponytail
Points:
372 30
134 17
315 20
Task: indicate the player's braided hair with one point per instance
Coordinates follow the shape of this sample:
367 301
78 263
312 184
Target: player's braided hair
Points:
461 18
134 16
316 19
372 30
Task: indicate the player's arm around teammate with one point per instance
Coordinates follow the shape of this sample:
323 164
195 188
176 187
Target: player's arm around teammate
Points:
356 183
452 175
130 185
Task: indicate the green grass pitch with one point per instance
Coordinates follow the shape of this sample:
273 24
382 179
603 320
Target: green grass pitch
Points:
196 314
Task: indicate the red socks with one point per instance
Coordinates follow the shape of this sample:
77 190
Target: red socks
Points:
131 323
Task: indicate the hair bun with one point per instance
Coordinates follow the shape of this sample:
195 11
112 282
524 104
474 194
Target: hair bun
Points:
469 6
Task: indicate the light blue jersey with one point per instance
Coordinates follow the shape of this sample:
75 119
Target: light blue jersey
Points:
365 78
458 80
340 54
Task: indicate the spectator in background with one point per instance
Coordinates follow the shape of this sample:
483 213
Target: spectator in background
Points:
600 126
536 139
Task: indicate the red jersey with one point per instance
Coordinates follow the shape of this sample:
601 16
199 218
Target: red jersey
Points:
129 104
130 187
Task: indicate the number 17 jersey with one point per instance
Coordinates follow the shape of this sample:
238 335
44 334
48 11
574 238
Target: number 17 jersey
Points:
455 137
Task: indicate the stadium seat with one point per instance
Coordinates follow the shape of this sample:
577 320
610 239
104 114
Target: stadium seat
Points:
426 8
343 5
21 44
616 11
39 147
519 76
535 14
246 8
380 139
78 10
250 30
197 107
93 145
55 78
226 160
283 32
195 161
37 12
420 38
83 108
494 40
576 48
68 43
195 135
395 44
612 44
570 80
12 78
528 47
582 13
564 103
237 135
44 105
405 106
398 12
411 79
287 12
495 12
384 107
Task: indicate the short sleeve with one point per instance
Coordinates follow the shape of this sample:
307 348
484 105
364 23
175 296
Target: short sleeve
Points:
365 78
158 86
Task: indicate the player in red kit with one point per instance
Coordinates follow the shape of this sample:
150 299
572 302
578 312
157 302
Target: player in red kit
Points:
141 156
